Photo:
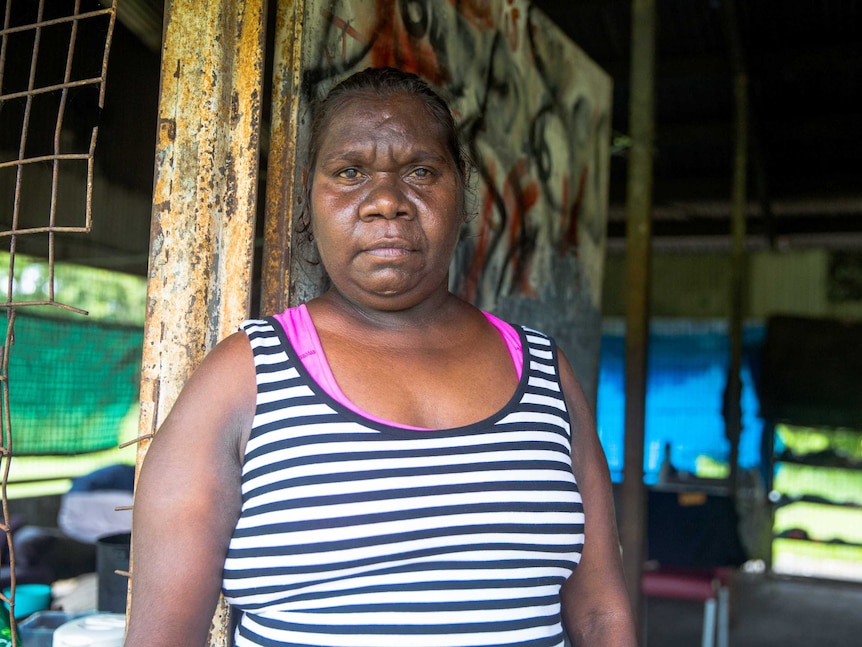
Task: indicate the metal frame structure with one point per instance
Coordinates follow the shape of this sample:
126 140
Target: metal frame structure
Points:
58 160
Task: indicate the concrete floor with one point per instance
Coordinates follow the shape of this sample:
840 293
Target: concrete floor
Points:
767 611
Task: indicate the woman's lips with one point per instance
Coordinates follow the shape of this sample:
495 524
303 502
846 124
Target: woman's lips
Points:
388 252
389 249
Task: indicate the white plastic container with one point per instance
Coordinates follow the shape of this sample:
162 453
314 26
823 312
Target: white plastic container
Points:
98 630
38 630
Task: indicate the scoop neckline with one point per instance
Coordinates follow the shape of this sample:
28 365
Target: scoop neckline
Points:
390 427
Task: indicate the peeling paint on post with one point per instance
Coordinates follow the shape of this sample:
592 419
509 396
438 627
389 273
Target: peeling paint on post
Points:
204 197
282 176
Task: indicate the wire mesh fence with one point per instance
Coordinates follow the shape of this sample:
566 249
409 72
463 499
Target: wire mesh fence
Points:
51 95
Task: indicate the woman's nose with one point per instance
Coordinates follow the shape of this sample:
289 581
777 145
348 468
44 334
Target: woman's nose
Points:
387 198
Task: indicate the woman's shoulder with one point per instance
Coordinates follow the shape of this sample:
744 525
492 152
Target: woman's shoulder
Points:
228 362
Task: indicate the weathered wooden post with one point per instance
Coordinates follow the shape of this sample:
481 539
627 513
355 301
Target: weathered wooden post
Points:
738 211
638 239
281 178
204 199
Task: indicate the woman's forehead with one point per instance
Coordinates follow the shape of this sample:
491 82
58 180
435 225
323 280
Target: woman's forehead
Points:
402 105
401 118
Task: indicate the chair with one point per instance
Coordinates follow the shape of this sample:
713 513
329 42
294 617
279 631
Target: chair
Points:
693 542
708 585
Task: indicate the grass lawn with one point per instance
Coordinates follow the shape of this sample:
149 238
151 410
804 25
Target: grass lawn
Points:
836 531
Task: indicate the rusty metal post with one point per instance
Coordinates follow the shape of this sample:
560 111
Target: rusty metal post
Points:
282 176
738 208
638 237
204 197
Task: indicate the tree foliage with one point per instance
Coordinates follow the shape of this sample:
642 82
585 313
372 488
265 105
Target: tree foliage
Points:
105 295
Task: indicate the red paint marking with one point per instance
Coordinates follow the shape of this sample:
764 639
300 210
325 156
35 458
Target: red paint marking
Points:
518 203
571 239
344 26
478 13
513 33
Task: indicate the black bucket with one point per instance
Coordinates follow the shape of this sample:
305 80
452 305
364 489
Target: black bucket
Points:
112 554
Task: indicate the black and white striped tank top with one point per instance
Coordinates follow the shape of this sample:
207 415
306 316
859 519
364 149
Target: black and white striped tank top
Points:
357 534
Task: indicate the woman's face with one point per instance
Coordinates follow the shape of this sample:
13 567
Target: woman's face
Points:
385 202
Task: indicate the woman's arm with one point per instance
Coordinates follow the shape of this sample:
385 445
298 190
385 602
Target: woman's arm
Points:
596 607
187 501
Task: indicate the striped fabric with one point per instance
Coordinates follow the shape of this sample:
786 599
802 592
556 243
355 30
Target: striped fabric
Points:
358 534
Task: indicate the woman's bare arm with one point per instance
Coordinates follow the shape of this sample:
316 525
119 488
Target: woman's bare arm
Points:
188 499
596 607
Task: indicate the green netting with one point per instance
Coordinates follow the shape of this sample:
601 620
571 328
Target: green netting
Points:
71 383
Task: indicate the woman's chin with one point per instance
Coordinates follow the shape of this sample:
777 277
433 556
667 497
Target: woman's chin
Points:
391 295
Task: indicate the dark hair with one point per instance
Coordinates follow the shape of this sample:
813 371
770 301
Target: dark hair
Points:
382 82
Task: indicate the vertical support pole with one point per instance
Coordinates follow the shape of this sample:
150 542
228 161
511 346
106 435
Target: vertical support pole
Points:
638 238
282 177
733 405
738 208
204 197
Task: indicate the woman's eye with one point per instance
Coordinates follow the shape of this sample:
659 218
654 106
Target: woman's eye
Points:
421 172
349 174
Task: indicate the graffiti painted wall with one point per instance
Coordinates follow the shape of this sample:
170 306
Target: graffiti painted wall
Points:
534 113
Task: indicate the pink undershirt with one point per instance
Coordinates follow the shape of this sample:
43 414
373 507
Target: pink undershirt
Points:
302 335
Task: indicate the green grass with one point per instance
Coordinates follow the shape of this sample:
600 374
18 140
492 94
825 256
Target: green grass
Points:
106 295
821 522
820 551
838 562
707 467
808 440
835 484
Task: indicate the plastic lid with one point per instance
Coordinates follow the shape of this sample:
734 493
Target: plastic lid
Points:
99 630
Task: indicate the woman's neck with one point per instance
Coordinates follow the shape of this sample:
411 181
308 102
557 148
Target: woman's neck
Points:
334 308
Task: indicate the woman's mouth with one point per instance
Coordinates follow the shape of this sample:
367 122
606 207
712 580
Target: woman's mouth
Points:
389 250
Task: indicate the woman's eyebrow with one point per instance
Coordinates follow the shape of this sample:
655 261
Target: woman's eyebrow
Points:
422 154
346 155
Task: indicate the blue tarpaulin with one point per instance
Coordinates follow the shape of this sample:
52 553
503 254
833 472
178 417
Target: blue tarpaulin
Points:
686 377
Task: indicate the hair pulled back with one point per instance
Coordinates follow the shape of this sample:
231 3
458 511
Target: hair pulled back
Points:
383 83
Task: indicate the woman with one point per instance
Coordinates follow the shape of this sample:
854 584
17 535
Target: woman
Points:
386 465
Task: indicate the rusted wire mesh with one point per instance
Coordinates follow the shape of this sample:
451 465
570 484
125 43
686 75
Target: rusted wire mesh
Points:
46 172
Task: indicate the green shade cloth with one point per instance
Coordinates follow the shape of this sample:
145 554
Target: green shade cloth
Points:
71 383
